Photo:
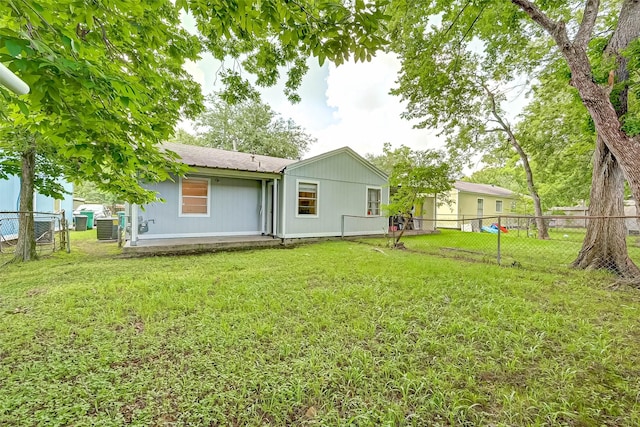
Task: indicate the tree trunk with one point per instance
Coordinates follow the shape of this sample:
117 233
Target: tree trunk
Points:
543 232
596 99
605 244
404 227
26 246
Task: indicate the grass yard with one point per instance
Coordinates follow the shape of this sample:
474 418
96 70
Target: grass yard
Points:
327 334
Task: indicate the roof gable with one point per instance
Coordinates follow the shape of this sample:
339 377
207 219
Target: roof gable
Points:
194 155
488 189
337 152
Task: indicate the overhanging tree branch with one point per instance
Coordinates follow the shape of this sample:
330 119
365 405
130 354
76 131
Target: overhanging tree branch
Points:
556 29
588 22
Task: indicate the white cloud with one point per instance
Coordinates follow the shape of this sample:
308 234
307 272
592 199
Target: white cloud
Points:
366 115
349 105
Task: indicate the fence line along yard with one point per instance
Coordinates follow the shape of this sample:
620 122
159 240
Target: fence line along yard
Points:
511 240
50 228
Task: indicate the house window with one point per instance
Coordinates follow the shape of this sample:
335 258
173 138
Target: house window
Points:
498 206
374 197
194 196
307 198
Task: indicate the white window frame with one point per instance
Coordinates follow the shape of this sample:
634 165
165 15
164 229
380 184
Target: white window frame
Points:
501 206
196 215
297 205
366 201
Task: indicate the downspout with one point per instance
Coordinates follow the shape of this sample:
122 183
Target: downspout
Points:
263 207
284 204
12 82
276 211
134 224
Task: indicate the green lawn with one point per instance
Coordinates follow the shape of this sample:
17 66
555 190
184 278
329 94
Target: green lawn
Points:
327 334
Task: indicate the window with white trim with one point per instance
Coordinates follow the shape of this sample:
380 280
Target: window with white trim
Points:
307 198
374 198
194 196
498 206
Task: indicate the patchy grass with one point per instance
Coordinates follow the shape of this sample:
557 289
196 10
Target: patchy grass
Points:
326 334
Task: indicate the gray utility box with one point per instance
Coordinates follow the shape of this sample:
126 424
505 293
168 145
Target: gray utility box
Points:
80 222
107 228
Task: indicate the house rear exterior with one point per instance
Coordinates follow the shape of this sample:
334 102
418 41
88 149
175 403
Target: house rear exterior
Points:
229 193
471 201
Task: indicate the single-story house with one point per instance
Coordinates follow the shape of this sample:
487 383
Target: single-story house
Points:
471 201
10 199
229 193
10 202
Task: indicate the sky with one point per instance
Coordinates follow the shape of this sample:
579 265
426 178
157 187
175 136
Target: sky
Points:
349 105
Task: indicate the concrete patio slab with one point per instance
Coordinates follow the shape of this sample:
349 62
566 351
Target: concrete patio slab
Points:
198 244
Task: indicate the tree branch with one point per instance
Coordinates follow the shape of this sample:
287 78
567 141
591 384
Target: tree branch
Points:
537 15
588 22
556 29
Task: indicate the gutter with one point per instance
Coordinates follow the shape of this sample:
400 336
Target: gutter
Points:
12 82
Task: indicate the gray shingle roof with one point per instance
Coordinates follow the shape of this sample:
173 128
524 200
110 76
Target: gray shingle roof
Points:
206 157
492 190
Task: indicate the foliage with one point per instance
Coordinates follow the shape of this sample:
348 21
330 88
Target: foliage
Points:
107 82
263 38
90 192
47 171
107 85
183 137
560 138
267 337
251 126
386 161
415 175
501 168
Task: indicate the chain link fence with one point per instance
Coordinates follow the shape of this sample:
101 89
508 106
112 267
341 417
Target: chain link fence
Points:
51 232
512 240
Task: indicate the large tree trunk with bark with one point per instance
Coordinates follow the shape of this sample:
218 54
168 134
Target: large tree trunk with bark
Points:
605 244
596 98
26 246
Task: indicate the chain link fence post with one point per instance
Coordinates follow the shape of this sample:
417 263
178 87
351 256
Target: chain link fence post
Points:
499 234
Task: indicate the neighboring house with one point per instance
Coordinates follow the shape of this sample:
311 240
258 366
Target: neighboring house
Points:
10 198
563 216
569 211
470 201
10 202
229 193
